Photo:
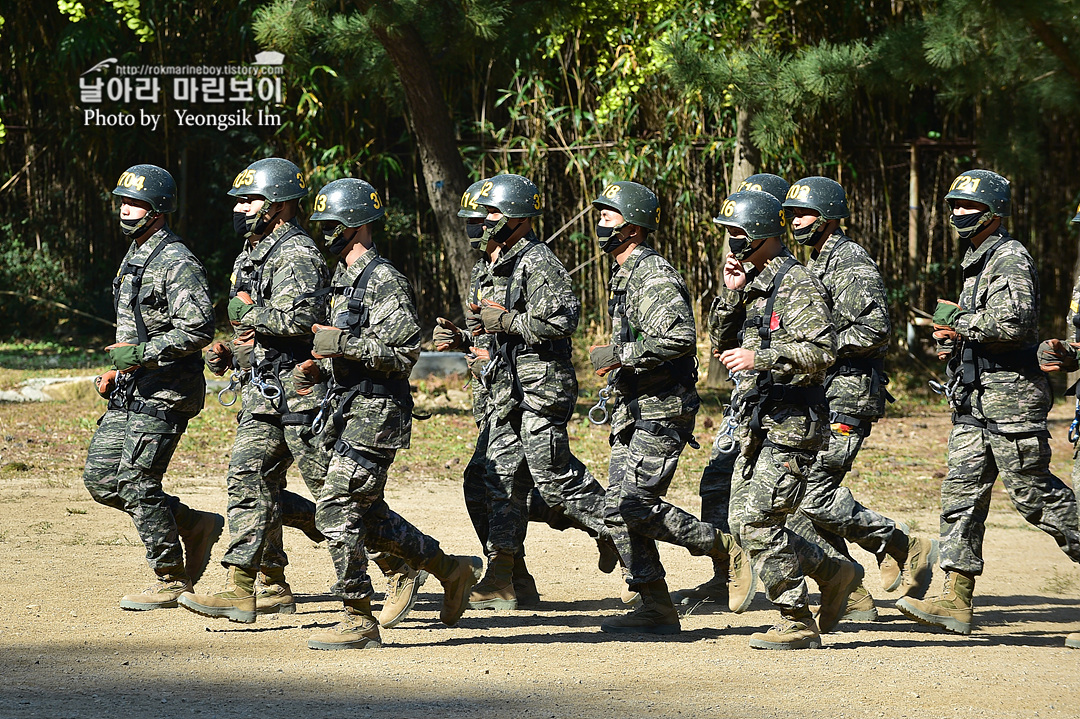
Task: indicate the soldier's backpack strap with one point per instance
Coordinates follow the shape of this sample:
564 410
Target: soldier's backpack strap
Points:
137 272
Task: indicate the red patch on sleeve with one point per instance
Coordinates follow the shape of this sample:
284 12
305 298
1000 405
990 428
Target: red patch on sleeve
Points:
774 323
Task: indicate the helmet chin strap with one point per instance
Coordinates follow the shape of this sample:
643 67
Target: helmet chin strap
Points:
137 229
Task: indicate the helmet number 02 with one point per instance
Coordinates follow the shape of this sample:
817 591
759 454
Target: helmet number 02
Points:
799 192
131 180
728 208
965 183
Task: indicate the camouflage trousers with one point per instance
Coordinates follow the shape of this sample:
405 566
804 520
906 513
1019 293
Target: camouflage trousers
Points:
767 485
262 453
127 459
352 513
833 513
477 476
527 448
642 465
976 458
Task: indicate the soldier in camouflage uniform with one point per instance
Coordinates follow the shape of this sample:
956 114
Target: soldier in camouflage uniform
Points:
715 485
1061 356
529 309
774 333
855 387
999 397
369 352
447 337
273 303
163 318
652 372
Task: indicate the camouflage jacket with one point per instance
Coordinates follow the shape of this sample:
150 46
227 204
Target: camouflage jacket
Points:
1072 319
1003 318
281 275
481 395
802 347
860 316
174 301
660 328
387 347
530 279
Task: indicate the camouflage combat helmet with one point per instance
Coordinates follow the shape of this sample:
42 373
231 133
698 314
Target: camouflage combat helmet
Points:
766 182
983 186
512 195
149 183
636 203
274 178
350 201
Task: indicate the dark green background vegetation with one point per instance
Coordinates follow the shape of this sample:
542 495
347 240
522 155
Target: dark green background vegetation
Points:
686 97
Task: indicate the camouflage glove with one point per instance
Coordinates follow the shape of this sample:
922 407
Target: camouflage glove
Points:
1057 356
242 348
240 306
329 341
496 318
477 361
447 336
305 376
603 359
126 356
947 313
473 323
218 358
106 383
944 342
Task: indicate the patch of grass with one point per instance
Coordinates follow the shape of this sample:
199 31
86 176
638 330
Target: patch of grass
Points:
69 510
119 540
41 527
17 467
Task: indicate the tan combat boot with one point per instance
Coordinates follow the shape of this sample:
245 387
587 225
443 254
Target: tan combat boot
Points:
496 589
235 603
401 589
655 615
951 610
918 568
525 584
629 595
199 540
742 584
273 595
860 606
459 576
836 579
1073 640
356 630
162 595
797 632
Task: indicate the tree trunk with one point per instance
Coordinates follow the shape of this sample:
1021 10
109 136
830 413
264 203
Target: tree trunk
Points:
444 172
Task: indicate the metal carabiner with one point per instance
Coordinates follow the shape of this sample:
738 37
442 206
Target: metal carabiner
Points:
941 388
230 389
601 407
1074 428
725 437
269 390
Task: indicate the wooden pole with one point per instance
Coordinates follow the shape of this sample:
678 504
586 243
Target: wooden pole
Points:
913 240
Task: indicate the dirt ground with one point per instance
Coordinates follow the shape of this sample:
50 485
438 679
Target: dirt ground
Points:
68 650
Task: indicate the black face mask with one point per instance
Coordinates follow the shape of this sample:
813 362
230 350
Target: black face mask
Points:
742 247
608 239
239 223
498 231
137 229
969 225
336 240
475 232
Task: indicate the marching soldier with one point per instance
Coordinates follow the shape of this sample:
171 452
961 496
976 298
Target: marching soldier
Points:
163 318
447 337
529 309
774 333
653 371
855 388
999 398
368 353
273 303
